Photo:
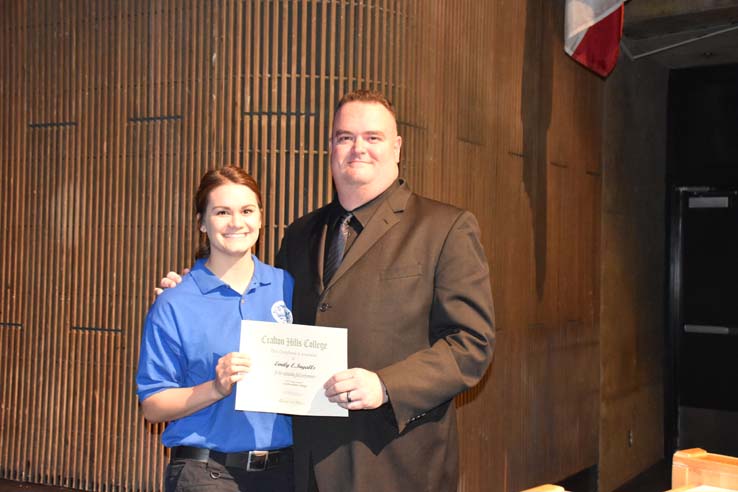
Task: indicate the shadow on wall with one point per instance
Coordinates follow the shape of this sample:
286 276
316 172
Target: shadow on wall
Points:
535 107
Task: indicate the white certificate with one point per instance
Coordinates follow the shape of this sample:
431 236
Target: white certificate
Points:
289 365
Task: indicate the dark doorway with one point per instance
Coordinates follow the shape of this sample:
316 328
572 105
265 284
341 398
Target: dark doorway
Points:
702 339
706 331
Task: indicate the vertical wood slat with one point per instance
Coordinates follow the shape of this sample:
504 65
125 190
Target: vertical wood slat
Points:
38 147
162 91
11 330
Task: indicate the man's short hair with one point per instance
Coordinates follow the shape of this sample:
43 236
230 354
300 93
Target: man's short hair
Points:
366 96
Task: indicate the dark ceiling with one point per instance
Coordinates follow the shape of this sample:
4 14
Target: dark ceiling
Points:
682 33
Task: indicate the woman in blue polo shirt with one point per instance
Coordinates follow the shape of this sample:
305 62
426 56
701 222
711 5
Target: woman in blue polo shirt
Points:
189 360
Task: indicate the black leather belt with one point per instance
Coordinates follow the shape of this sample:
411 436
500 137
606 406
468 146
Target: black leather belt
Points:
246 460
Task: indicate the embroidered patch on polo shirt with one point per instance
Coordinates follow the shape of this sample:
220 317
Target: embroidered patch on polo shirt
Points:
281 313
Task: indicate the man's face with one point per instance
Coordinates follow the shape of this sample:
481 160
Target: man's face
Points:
365 148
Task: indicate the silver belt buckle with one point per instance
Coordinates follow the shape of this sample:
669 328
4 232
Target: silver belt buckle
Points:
257 460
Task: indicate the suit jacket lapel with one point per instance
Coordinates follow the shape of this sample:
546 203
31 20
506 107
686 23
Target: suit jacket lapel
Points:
387 215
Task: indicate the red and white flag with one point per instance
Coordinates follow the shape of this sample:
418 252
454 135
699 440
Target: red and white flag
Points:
593 31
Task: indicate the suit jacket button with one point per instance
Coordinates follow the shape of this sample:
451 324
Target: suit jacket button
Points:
324 307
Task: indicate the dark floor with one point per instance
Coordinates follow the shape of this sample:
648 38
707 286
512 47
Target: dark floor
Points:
10 486
655 479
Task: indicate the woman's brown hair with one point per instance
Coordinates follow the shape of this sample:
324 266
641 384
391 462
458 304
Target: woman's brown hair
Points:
211 180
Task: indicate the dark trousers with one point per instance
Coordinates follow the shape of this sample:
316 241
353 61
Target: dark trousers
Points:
185 475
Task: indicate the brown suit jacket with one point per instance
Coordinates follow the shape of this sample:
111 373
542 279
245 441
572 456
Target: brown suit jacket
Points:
414 293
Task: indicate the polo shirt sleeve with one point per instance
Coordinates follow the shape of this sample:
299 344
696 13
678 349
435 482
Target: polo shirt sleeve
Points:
161 362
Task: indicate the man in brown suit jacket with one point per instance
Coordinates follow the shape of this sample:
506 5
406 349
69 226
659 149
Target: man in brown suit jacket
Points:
413 291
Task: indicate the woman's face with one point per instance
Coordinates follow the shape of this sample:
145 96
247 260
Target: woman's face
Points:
232 220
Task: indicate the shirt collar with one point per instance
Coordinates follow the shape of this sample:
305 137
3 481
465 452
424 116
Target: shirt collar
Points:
208 282
365 212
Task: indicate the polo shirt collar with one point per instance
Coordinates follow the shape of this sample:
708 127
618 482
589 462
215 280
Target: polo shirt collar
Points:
208 282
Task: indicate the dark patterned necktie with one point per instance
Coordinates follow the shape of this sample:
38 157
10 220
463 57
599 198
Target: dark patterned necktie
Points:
337 247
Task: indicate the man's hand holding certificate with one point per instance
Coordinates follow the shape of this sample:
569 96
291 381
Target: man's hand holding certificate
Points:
289 364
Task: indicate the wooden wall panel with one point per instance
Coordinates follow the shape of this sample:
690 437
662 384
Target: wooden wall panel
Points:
633 262
500 142
112 110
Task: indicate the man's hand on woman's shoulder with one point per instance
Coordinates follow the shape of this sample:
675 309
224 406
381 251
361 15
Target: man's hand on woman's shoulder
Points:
171 280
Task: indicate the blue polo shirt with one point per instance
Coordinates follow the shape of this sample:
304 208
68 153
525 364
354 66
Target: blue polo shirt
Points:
187 330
